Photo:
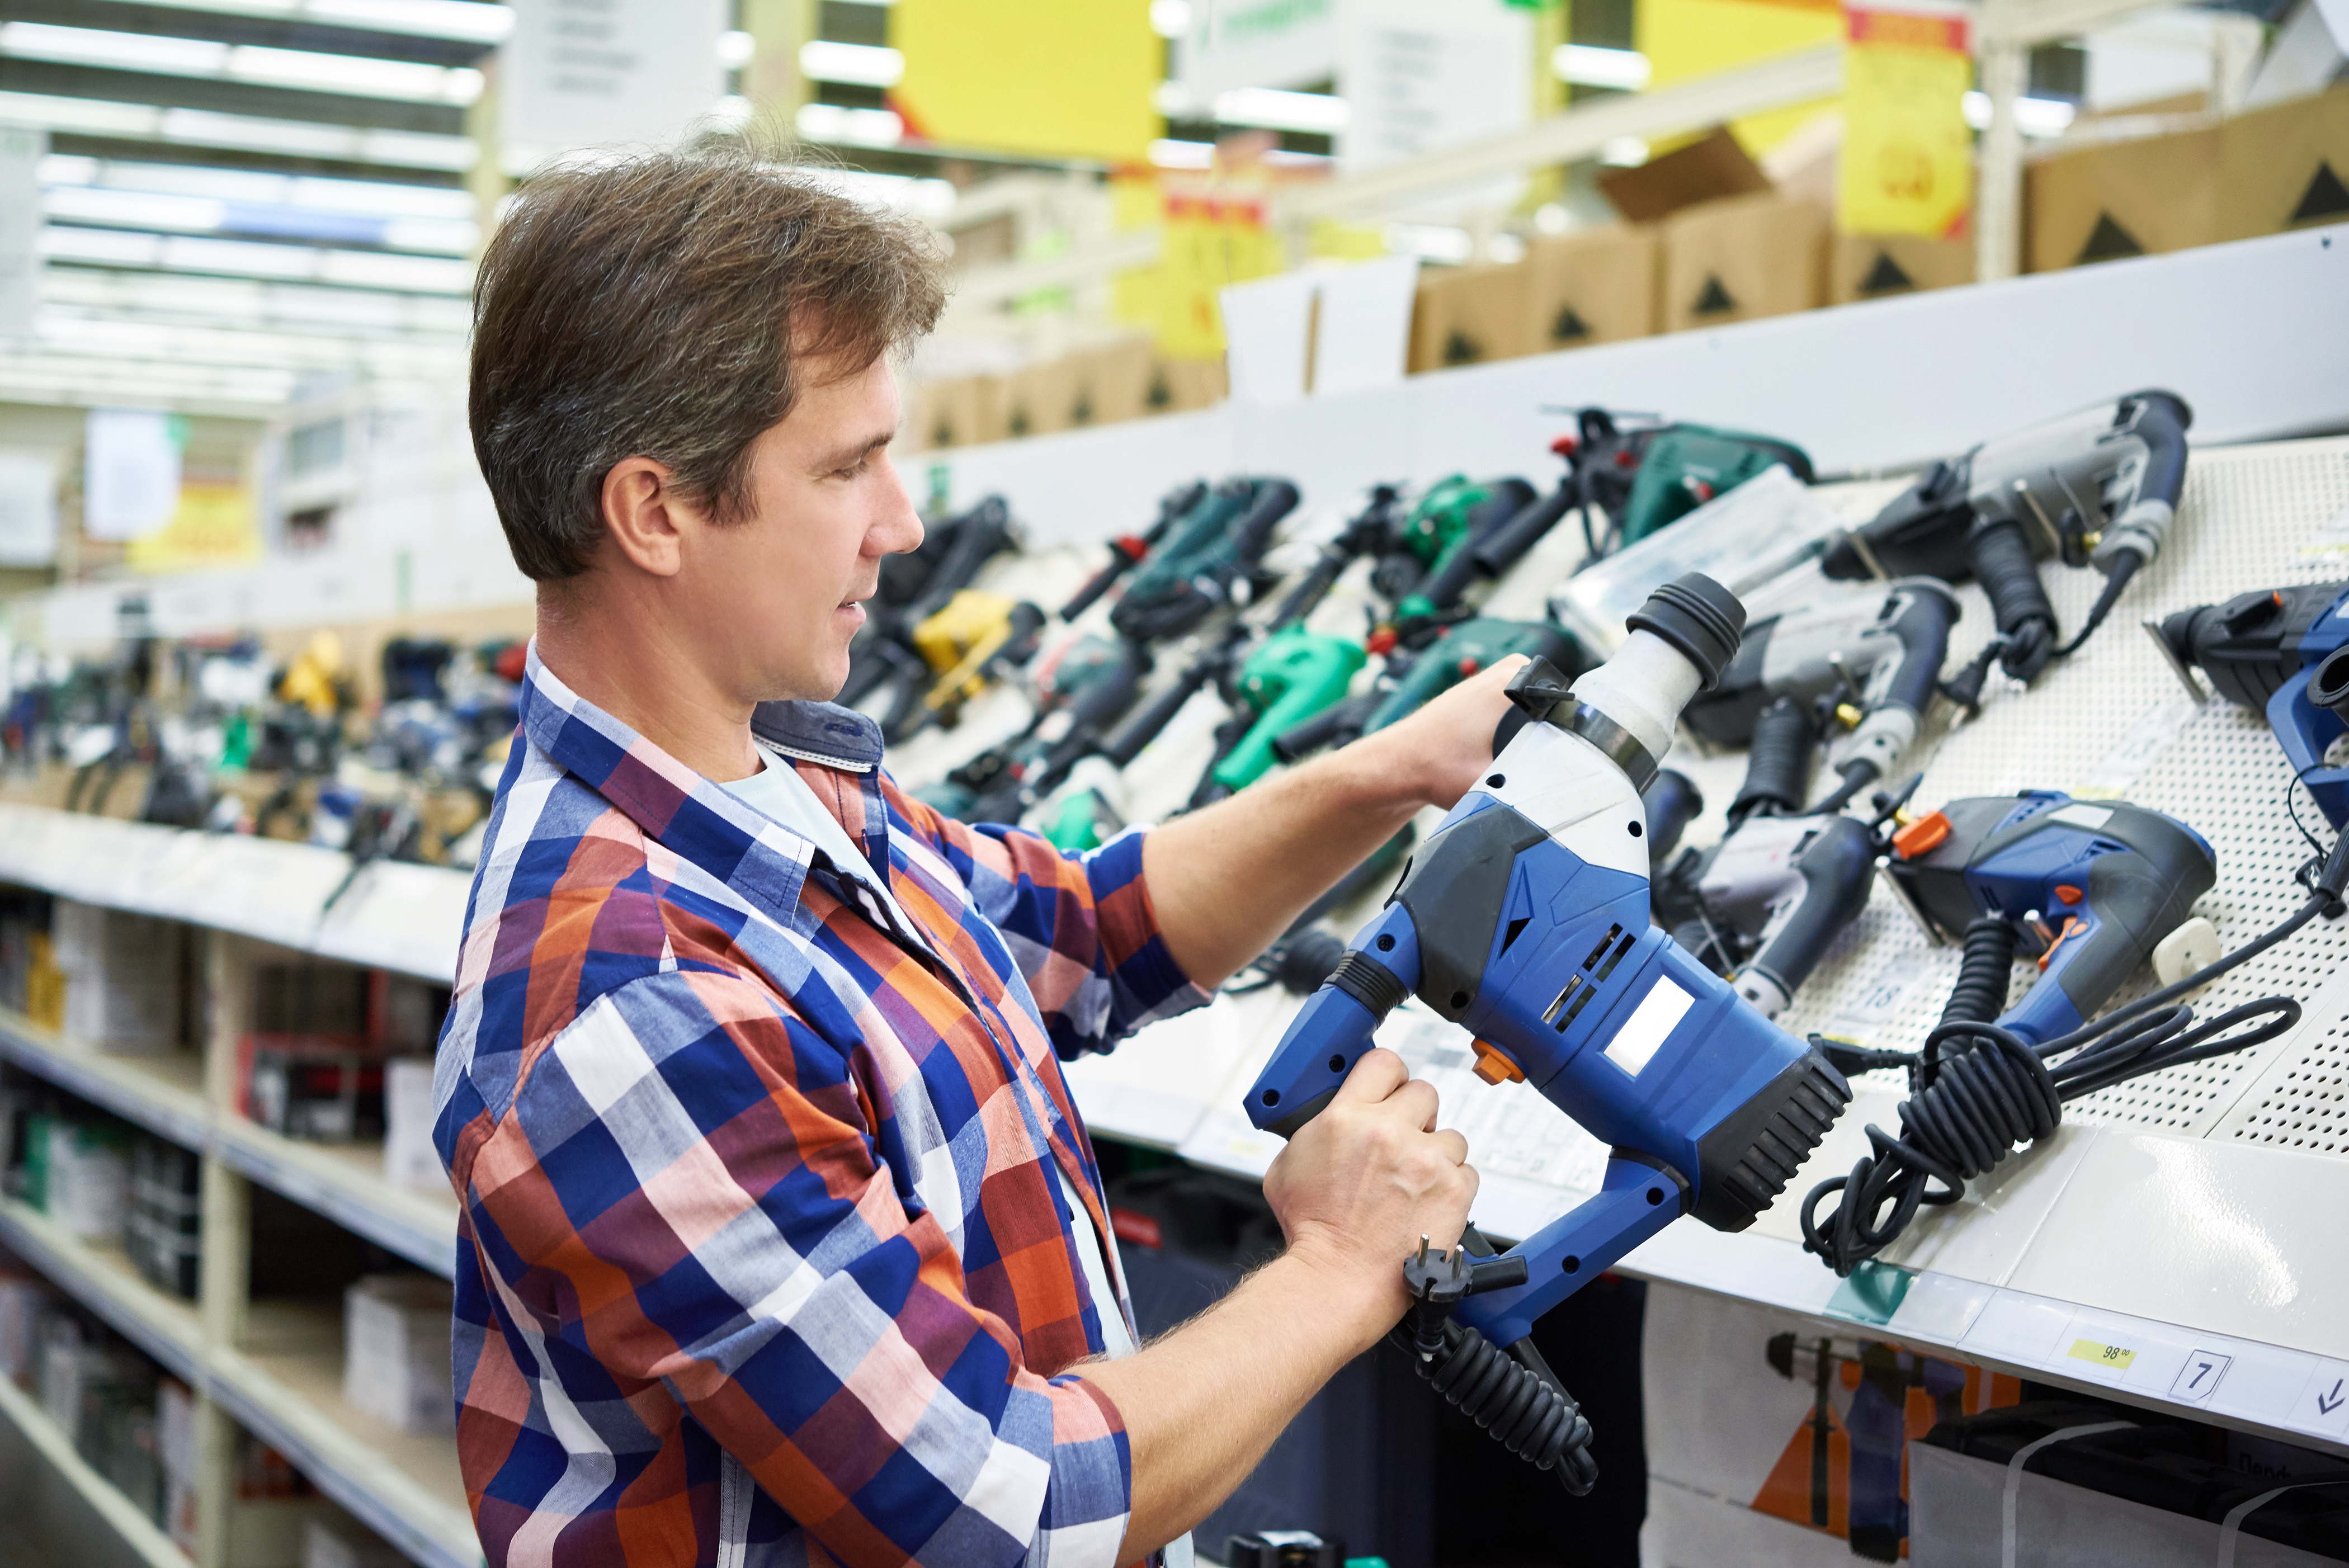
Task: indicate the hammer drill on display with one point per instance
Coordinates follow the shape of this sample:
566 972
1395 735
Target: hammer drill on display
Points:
1869 658
2281 650
1764 904
1524 918
2099 488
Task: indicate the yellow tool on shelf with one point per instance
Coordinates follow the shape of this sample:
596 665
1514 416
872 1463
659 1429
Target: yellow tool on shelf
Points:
970 642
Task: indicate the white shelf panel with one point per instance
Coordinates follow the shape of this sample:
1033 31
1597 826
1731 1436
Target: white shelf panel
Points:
344 1182
138 1532
407 918
418 1514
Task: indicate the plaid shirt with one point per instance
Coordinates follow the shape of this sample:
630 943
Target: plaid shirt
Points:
763 1254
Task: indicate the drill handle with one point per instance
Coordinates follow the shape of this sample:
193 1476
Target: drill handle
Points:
1508 544
1837 868
1637 1198
2130 904
1335 1027
1923 628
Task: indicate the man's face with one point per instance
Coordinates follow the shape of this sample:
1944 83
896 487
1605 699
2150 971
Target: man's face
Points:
778 592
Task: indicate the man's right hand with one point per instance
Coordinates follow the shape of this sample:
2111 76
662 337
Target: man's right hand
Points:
1360 1183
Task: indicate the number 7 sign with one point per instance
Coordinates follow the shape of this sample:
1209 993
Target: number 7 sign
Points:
2199 1377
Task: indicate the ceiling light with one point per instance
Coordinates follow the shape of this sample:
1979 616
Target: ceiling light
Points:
255 259
374 198
828 123
735 49
1623 152
2032 116
460 19
1587 66
1314 113
215 300
1430 241
1170 18
407 80
854 64
1169 154
1172 100
243 133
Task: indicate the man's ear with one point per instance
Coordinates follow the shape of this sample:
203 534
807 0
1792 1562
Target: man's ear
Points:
646 517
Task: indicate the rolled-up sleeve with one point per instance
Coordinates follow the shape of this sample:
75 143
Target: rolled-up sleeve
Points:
685 1195
1080 927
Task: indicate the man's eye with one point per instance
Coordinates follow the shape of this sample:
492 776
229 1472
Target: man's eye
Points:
851 470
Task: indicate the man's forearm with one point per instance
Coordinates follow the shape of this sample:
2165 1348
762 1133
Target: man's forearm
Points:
1203 1404
1226 879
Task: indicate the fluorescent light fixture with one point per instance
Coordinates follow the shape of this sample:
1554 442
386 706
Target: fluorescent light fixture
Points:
410 81
2034 115
1430 241
187 214
733 111
828 122
66 332
1170 154
1171 99
254 259
1623 152
1320 114
460 19
241 133
242 301
1170 18
929 199
1506 248
735 49
856 65
1550 218
1588 65
372 198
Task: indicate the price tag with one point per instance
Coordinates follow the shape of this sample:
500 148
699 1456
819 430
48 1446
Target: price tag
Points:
2115 1356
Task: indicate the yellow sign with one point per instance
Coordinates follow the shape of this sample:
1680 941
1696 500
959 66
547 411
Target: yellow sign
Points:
1907 156
1064 78
1687 40
215 525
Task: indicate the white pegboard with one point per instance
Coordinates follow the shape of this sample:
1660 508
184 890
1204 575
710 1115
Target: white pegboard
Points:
2247 515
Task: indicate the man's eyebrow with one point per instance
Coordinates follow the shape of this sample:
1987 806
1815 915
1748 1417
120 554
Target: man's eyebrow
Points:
847 456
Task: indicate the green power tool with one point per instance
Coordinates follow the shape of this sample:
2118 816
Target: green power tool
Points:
1432 560
1646 474
1464 648
1293 675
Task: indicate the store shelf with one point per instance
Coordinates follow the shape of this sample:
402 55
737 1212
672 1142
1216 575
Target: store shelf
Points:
163 1093
406 918
138 1533
402 1487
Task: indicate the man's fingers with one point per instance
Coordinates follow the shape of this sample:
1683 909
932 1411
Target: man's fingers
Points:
1378 1074
1455 1145
1416 1099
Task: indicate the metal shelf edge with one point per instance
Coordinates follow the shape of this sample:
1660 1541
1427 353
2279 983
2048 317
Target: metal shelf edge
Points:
137 1531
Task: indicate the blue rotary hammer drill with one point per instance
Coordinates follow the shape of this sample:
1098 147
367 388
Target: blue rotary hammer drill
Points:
1524 918
2285 650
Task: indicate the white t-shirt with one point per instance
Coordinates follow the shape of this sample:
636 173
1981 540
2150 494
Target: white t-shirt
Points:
781 795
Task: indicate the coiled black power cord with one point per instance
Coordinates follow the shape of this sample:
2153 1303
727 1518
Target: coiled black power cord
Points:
1513 1395
1976 1090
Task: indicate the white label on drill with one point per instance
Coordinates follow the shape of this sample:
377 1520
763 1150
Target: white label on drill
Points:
2092 817
1651 1023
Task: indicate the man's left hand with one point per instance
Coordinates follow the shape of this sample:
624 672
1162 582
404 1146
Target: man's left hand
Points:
1441 751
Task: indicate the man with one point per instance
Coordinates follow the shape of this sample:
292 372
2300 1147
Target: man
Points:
781 1237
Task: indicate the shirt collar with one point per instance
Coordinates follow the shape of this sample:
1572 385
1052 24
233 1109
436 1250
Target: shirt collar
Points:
691 815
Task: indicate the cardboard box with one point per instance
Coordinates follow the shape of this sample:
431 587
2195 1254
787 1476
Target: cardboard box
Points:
1178 385
1711 169
967 412
1109 384
2286 167
1742 259
1877 266
1470 315
1597 287
1037 400
396 1351
2136 198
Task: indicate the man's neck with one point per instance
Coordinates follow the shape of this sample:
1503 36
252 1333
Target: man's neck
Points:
622 657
